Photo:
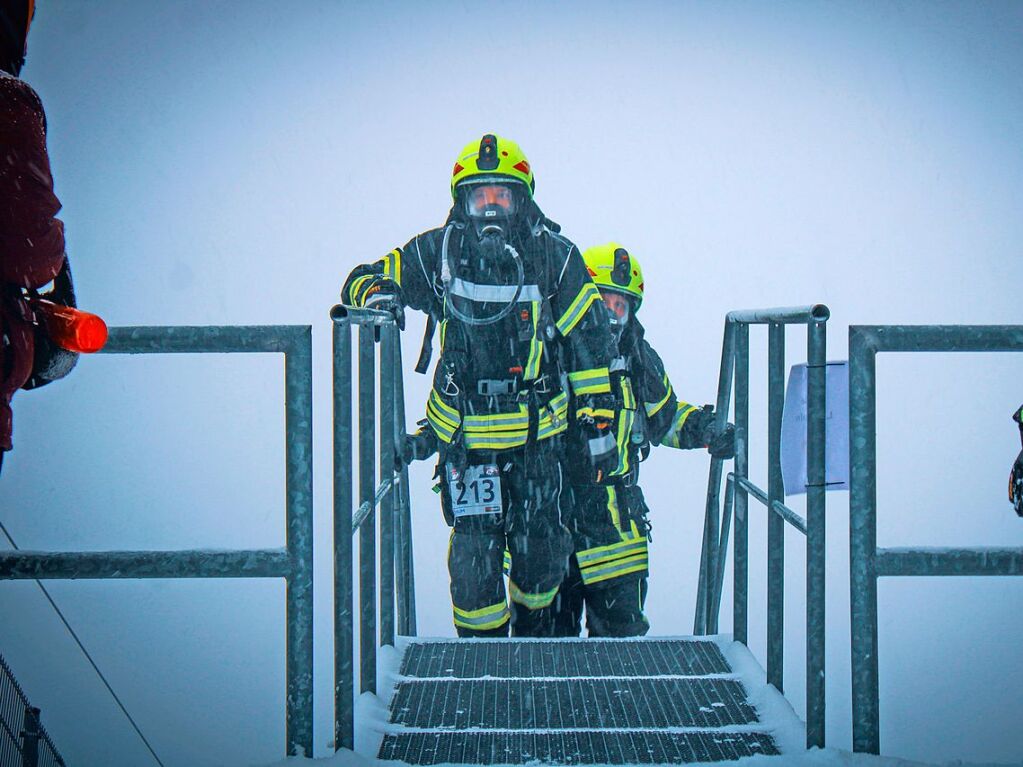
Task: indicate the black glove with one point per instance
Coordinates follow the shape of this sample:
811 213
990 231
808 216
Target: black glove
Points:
415 447
720 444
1016 485
387 298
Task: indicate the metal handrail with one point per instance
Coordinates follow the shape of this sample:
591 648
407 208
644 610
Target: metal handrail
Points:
735 371
388 491
867 561
294 563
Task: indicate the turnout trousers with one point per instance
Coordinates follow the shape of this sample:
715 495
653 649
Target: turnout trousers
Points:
609 566
530 528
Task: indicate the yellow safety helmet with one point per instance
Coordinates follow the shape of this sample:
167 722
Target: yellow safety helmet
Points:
612 268
492 156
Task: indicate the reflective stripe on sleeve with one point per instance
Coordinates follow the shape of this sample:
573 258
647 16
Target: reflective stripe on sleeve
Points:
654 408
392 266
593 381
587 296
681 416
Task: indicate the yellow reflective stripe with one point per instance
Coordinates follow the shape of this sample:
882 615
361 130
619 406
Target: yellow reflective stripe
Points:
532 601
595 413
507 561
593 381
490 441
392 265
497 421
587 296
625 548
615 570
444 409
628 398
532 369
549 430
654 409
446 433
681 416
443 332
612 506
490 617
625 421
355 289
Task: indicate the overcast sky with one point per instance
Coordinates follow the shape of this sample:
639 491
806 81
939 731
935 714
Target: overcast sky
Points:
230 162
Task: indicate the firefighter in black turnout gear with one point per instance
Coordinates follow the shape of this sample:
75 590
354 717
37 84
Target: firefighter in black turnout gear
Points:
609 523
521 329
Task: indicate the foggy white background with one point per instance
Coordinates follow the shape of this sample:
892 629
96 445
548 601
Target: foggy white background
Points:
229 163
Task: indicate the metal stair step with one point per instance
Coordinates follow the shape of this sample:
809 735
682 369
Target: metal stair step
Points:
575 703
573 748
591 657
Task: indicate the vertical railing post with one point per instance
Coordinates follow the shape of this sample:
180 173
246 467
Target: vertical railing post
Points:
30 736
344 620
775 524
816 540
863 540
705 622
367 532
740 576
406 572
389 333
298 407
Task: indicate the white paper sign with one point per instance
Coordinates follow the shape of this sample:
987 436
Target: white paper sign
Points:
793 430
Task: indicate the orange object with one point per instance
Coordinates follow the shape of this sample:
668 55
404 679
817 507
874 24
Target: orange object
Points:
72 329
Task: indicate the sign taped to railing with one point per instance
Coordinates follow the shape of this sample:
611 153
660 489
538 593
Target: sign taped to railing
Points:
836 426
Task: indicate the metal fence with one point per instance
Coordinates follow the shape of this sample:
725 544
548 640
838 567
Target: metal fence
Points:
24 742
735 364
383 429
293 563
868 562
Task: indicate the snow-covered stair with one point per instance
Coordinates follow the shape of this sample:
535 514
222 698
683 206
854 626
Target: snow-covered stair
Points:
647 701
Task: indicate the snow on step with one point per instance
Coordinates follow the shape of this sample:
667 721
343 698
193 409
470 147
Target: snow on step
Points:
575 702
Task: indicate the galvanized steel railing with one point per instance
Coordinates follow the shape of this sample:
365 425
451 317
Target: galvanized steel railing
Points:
867 561
735 361
385 428
24 742
293 563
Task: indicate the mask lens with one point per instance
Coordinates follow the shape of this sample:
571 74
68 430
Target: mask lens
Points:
490 201
618 308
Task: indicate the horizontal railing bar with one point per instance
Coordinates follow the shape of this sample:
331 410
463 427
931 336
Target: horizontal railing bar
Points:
363 511
949 561
942 338
187 563
342 313
788 315
203 339
778 507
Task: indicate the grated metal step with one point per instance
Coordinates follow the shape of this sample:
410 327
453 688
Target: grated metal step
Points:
580 747
570 702
526 704
592 657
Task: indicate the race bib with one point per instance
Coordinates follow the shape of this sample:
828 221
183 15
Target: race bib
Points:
475 491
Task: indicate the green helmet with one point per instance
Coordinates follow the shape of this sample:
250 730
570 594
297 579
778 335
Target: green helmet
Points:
612 268
491 156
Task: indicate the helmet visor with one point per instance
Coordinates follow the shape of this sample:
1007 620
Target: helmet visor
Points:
619 308
490 201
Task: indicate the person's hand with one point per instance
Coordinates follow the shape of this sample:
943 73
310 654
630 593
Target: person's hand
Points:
415 447
387 299
720 443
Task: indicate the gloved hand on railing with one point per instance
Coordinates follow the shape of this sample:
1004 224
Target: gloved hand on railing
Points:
720 442
384 299
415 447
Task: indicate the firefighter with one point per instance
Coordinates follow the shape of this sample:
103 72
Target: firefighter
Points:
609 527
521 328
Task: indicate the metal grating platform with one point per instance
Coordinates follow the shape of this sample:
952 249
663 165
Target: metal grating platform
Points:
637 747
576 703
526 704
593 657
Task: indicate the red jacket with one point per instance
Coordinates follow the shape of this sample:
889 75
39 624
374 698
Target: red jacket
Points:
31 237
